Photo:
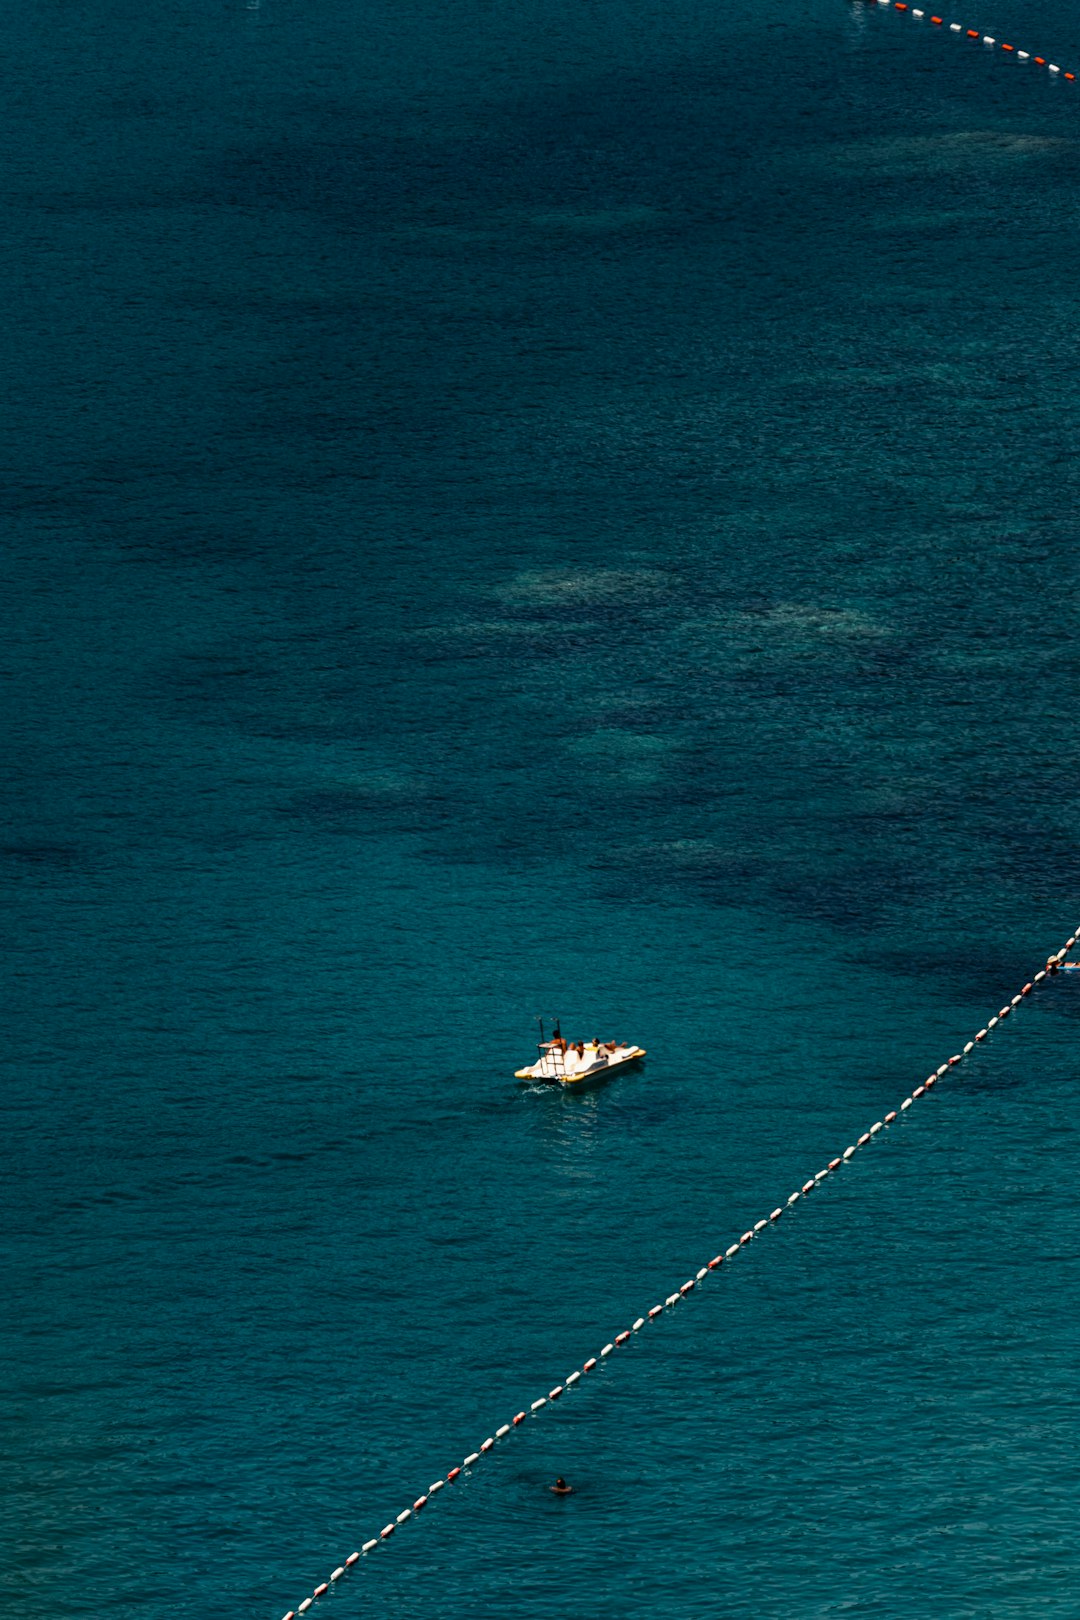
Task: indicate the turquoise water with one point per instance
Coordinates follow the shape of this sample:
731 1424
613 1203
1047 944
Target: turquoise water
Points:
549 508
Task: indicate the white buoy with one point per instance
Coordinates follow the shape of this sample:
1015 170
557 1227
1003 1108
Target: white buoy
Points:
369 1546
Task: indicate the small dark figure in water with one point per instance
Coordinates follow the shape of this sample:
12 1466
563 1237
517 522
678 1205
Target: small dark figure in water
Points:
561 1488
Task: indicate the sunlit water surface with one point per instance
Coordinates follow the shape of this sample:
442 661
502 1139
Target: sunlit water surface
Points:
538 508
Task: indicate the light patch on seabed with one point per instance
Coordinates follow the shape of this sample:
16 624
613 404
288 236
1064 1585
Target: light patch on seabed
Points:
788 627
687 853
552 587
800 619
629 756
935 152
470 630
378 782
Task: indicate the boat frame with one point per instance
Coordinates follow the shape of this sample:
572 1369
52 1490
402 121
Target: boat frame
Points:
622 1058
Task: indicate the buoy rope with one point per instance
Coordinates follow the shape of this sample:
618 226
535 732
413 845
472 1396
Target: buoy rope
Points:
974 34
1053 964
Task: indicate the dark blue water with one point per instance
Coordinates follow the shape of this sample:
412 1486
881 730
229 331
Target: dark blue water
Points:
553 507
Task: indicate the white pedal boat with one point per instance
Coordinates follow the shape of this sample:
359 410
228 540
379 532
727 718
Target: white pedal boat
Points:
568 1069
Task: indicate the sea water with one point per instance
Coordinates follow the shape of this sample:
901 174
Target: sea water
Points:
542 509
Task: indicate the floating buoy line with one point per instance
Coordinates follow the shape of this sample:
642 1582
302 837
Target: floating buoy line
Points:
975 34
724 1257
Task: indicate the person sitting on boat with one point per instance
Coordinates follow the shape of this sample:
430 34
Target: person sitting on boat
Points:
557 1043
